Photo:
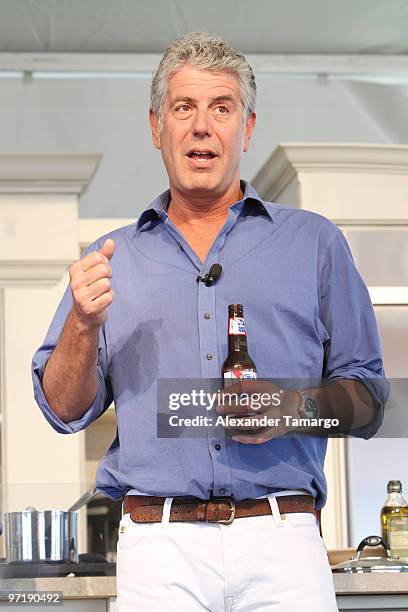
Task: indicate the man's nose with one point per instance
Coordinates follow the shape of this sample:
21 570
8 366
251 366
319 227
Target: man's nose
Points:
202 124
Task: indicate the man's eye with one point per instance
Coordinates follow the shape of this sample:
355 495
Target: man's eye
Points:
223 110
183 107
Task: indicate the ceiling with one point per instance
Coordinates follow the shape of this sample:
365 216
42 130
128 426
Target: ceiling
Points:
260 26
305 94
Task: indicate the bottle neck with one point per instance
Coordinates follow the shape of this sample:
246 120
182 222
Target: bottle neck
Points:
237 339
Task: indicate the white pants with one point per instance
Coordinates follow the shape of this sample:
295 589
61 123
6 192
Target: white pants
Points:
275 563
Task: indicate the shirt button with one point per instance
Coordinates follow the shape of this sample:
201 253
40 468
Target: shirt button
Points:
217 446
222 491
207 316
209 356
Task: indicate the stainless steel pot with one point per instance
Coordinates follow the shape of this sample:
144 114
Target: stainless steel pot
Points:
48 535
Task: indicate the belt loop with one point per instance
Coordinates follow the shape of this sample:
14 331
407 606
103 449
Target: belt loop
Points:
166 512
275 510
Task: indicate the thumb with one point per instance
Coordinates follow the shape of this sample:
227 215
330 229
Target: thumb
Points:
108 248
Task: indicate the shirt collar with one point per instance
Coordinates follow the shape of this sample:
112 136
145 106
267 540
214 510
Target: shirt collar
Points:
158 207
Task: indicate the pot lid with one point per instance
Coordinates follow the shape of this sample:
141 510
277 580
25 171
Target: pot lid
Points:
372 564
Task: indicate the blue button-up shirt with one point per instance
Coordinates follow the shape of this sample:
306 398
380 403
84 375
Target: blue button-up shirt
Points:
308 315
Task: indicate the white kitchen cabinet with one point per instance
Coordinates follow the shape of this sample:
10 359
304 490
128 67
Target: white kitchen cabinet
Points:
373 603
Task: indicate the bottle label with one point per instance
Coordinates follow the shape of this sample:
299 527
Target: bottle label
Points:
237 326
240 374
399 543
398 535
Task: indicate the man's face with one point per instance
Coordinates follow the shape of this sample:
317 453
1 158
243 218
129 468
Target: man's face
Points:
202 136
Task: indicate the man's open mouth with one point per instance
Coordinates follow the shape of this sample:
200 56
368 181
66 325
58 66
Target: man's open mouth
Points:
201 155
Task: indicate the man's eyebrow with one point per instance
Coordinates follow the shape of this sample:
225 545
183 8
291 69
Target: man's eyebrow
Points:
182 99
223 98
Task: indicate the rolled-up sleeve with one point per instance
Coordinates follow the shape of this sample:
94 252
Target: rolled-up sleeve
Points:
103 397
353 348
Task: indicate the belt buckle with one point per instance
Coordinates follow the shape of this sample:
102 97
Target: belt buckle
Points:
224 500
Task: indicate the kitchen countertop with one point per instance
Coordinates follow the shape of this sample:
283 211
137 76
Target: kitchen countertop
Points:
105 586
72 587
375 583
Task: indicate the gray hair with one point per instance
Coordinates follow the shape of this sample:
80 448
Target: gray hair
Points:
206 53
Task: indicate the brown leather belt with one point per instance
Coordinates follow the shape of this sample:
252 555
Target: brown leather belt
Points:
149 509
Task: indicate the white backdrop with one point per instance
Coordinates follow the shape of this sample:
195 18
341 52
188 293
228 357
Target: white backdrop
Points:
110 117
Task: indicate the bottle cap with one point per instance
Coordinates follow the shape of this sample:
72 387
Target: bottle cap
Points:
394 486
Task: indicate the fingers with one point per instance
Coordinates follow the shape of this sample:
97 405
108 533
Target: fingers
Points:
236 408
108 248
250 396
91 285
96 257
85 279
94 290
89 261
251 439
92 308
255 408
101 302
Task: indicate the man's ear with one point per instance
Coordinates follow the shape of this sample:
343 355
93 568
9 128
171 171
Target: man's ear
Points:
249 126
154 126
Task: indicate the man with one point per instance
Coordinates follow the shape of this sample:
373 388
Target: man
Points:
134 313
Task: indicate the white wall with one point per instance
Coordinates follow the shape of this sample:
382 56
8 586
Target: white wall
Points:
110 117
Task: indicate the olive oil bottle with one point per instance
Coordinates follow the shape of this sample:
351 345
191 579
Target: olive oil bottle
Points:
394 520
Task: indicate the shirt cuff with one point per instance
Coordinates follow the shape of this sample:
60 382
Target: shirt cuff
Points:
97 407
378 387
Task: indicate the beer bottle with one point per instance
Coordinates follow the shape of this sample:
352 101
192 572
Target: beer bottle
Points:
238 363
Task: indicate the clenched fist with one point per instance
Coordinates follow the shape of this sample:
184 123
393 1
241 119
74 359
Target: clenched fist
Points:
91 286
